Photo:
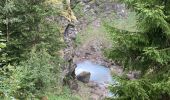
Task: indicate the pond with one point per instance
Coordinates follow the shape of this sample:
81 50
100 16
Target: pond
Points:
99 74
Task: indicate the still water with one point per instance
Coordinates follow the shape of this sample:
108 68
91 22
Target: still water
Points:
99 74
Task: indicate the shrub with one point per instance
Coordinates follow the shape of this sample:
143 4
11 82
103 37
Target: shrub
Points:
34 77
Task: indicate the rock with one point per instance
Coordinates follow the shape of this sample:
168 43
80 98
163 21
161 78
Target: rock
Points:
72 32
98 91
73 85
84 76
130 76
86 8
94 97
87 54
137 74
92 84
69 35
86 1
133 75
93 49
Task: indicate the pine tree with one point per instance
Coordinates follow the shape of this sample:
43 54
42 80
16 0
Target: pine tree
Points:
24 25
146 50
30 37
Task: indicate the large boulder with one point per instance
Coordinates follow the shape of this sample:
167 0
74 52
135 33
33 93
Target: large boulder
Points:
84 76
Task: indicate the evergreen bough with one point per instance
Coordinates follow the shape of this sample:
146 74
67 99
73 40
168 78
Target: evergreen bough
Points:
146 50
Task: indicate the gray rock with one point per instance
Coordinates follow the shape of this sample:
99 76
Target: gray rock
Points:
73 85
86 1
84 76
92 84
133 75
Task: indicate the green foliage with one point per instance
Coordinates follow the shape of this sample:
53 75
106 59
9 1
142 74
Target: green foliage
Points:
40 73
78 10
25 24
33 78
128 23
150 46
65 95
127 48
29 45
2 47
126 88
78 39
146 50
141 89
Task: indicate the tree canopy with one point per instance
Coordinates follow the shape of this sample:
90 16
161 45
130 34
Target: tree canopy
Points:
146 50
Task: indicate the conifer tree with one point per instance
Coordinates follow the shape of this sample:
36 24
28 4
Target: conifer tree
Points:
29 45
146 50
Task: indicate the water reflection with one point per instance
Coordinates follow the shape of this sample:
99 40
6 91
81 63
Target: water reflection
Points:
99 74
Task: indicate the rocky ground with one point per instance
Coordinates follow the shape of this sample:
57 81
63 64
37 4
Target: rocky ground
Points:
91 49
87 39
92 40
